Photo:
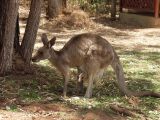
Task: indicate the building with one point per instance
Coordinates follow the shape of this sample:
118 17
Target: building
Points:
142 12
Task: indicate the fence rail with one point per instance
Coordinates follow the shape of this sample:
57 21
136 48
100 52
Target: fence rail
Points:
138 4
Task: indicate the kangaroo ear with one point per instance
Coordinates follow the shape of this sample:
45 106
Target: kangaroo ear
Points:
44 39
52 42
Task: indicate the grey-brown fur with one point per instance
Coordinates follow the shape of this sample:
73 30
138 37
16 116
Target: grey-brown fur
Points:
89 52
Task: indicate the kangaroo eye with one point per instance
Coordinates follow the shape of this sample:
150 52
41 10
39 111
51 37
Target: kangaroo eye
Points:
40 53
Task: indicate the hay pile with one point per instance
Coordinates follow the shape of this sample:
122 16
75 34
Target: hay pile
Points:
75 19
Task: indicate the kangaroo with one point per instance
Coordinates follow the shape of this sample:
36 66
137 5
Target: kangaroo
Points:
89 52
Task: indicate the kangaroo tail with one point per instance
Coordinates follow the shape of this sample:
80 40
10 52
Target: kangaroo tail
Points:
116 65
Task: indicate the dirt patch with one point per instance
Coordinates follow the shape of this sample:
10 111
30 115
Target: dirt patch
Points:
37 107
95 115
54 111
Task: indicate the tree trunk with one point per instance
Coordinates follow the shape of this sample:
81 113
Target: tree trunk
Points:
113 9
8 16
31 30
54 8
64 4
16 38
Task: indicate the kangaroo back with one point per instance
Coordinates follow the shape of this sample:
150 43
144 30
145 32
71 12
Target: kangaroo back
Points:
82 47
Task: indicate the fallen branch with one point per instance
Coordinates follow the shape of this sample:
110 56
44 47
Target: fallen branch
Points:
127 111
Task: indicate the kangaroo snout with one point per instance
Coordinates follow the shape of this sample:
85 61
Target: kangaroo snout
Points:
34 59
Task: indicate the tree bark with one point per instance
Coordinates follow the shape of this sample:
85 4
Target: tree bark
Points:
8 15
54 8
64 4
31 30
113 9
16 38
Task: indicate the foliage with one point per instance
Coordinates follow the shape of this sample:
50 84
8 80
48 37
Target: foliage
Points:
92 6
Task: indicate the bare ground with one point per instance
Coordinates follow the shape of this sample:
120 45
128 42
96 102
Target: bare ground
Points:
55 111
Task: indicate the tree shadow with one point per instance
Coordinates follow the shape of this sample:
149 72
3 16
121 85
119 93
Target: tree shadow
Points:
46 82
108 85
107 21
43 83
153 33
142 55
111 33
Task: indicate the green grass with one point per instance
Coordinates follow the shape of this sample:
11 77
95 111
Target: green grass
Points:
12 107
29 95
141 72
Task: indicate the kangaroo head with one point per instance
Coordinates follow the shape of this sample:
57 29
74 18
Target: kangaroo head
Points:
44 52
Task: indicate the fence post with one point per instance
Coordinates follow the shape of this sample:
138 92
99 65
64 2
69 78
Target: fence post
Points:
156 8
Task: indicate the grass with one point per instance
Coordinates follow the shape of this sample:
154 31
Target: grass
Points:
141 72
29 95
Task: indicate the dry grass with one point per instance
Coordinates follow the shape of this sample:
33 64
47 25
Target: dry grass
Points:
76 19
